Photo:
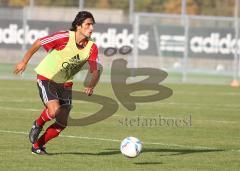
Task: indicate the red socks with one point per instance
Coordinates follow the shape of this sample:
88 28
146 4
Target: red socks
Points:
44 117
51 132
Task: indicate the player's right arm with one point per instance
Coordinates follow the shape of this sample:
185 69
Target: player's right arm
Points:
56 41
21 66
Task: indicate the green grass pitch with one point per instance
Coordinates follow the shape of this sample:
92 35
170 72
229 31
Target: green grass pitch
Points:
210 141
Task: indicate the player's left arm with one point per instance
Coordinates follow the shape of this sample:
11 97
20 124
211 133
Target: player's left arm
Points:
94 70
95 77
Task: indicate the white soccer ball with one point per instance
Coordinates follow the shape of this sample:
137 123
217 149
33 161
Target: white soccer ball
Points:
131 147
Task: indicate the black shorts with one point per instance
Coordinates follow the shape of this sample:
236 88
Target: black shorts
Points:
49 90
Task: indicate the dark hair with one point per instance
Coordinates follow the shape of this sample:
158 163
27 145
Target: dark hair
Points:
79 19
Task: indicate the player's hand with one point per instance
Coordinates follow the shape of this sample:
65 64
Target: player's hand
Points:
20 67
88 91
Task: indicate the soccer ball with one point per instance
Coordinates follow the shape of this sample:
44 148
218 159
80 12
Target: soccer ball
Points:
131 147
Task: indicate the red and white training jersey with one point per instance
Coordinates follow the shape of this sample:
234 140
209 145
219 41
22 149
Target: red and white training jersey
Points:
59 40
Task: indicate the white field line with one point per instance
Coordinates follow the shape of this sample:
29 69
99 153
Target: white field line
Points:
37 100
18 109
193 105
208 93
12 88
114 115
201 104
116 140
175 92
19 100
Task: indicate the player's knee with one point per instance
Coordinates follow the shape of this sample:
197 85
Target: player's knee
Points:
60 125
52 111
62 119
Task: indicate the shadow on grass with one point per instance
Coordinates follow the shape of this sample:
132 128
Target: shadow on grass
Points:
147 163
161 151
90 154
172 152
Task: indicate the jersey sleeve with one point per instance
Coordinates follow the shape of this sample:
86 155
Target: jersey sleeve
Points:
93 60
55 41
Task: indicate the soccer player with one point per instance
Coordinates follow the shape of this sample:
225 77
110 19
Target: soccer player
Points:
67 53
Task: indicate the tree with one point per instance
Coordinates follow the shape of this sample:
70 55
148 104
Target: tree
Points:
175 6
216 7
18 3
103 4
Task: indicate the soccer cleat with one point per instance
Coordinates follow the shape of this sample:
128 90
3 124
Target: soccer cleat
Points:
39 151
43 149
34 132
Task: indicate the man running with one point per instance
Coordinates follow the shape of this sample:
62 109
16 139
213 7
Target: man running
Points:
67 51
